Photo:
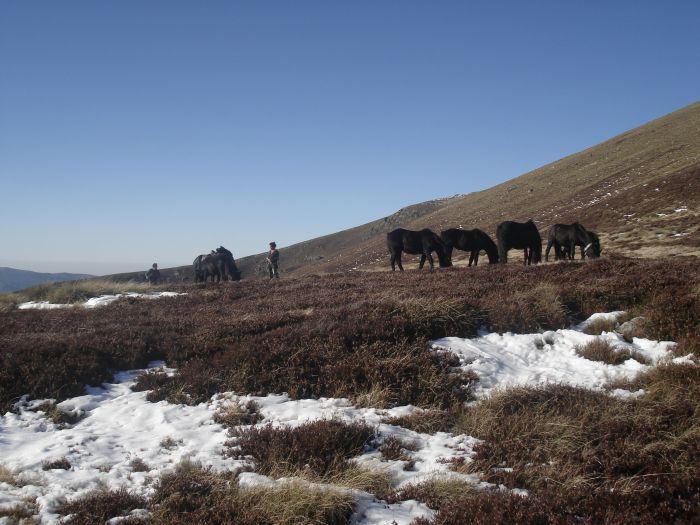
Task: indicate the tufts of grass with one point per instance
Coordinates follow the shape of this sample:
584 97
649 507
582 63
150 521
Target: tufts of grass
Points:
600 325
69 292
101 505
600 349
435 493
321 447
7 476
375 396
59 417
192 494
577 446
20 514
239 413
139 465
532 309
435 318
426 421
296 502
56 464
168 443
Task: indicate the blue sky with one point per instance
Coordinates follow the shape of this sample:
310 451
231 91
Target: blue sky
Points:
141 131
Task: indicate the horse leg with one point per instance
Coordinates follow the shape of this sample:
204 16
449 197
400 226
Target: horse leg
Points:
430 260
502 255
393 262
525 256
476 257
422 262
398 261
572 251
546 253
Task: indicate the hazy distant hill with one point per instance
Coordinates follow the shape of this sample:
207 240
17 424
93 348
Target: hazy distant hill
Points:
639 190
12 279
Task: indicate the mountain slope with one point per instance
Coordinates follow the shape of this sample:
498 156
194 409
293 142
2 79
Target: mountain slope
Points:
639 190
12 279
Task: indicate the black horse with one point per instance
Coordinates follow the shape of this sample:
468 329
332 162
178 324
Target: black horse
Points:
219 264
470 241
565 237
421 242
522 236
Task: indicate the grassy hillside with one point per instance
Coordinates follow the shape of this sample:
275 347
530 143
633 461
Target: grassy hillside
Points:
639 190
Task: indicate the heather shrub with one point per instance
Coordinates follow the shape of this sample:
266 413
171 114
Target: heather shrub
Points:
100 506
228 338
671 316
393 448
57 464
321 447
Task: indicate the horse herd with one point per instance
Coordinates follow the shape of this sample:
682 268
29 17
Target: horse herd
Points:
220 265
522 236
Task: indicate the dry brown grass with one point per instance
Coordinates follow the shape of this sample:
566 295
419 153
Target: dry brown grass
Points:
600 349
195 495
7 476
238 413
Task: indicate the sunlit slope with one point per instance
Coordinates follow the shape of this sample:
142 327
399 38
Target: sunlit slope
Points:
639 190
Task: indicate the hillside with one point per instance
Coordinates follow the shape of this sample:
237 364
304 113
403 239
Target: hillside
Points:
639 190
359 381
12 279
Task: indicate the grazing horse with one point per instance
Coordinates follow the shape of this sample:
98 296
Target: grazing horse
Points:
218 264
470 241
565 238
522 236
421 242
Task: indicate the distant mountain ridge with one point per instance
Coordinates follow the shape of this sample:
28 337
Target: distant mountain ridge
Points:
12 279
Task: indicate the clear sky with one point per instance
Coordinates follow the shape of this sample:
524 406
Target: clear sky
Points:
141 131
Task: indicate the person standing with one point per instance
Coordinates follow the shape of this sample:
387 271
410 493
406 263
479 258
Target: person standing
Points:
273 257
153 274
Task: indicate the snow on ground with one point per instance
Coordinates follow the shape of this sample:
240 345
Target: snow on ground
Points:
118 426
502 360
94 302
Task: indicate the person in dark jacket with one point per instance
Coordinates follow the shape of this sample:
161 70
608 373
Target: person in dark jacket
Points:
153 274
273 257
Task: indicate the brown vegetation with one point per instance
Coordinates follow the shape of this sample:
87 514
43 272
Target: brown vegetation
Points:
582 455
346 335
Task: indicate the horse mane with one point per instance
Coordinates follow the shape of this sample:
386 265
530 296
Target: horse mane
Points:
223 250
